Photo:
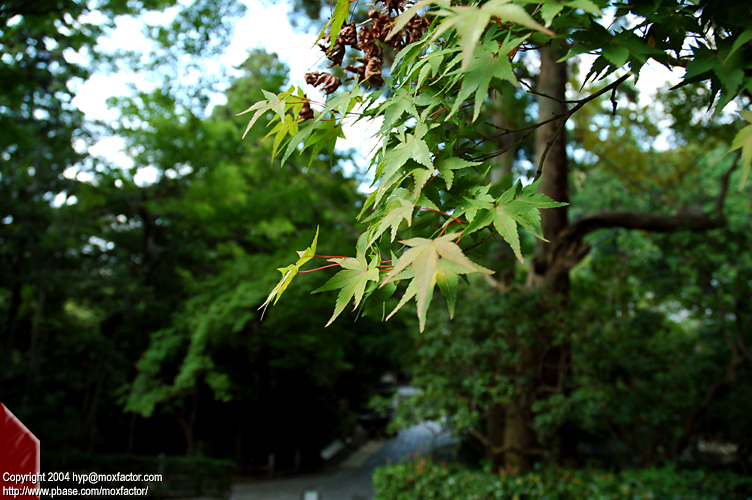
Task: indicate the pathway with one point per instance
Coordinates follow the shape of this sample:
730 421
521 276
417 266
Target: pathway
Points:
352 481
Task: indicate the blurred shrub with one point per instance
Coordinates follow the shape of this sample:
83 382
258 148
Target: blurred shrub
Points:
424 479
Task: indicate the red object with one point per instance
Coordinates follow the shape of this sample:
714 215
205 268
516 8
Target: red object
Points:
19 457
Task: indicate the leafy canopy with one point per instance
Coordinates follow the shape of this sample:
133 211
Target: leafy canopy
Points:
449 57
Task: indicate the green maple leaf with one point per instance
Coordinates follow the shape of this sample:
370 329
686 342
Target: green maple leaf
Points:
410 146
516 206
471 22
743 141
273 103
489 61
402 102
480 200
424 257
421 176
351 281
289 272
339 17
396 211
446 167
280 132
405 17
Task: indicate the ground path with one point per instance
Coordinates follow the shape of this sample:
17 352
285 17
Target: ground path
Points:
352 481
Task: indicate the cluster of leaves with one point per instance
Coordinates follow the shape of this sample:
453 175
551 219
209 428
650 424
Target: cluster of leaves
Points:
429 181
426 479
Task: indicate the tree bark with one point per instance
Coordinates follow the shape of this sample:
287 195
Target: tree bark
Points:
519 436
187 424
554 181
495 418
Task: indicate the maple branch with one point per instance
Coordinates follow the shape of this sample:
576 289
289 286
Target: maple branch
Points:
535 92
455 219
567 250
465 250
494 450
566 116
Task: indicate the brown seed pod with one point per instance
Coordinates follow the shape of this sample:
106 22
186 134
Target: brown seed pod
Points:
394 6
328 83
348 35
306 113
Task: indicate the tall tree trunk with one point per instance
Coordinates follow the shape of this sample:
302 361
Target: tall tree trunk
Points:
495 433
187 421
552 136
519 434
35 341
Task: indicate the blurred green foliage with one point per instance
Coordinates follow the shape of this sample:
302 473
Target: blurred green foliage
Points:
425 479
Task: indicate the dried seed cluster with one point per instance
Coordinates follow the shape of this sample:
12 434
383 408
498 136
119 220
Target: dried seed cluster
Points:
369 40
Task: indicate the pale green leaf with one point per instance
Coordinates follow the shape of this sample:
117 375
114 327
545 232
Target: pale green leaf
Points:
397 211
289 272
512 13
743 141
351 281
587 5
424 256
549 11
447 278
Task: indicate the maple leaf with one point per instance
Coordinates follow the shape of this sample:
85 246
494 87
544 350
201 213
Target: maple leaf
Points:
396 211
289 272
402 102
446 167
517 205
351 281
273 103
410 146
471 22
447 277
481 200
489 61
339 17
743 141
424 257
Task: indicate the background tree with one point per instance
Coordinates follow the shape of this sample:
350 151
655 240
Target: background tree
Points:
432 173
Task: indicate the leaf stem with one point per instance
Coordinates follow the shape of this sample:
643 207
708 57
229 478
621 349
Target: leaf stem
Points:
455 219
317 269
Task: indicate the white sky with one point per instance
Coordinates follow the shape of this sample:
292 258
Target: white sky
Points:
263 26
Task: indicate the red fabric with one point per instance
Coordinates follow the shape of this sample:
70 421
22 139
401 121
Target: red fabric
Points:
19 454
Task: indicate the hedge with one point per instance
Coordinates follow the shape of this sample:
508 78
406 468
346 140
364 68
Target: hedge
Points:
424 480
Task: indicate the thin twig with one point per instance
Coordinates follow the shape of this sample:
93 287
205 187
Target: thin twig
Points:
569 114
465 250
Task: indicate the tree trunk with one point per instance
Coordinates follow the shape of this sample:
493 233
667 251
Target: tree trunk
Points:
554 182
495 433
187 421
519 434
